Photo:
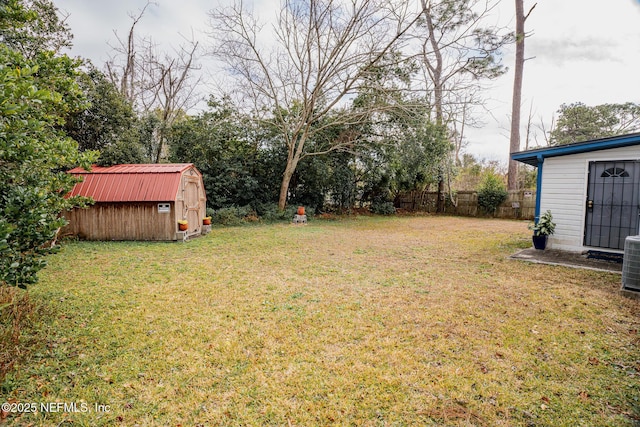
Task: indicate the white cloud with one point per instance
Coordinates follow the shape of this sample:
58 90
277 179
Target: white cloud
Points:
584 51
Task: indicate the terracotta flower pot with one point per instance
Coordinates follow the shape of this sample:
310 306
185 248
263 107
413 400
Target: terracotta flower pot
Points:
300 210
183 226
206 221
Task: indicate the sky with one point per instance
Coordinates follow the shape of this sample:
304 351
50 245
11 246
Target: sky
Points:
579 51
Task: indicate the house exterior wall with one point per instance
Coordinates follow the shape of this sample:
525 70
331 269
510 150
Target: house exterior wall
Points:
122 221
564 192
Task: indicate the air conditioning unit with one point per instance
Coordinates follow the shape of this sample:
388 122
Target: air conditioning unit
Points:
631 264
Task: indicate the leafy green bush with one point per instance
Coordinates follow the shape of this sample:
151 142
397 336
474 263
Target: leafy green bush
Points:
383 208
491 193
34 155
270 212
233 215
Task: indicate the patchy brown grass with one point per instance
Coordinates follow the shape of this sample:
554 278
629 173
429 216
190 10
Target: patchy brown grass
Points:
369 321
15 311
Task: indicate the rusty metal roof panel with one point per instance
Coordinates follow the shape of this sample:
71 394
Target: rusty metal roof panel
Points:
130 183
137 168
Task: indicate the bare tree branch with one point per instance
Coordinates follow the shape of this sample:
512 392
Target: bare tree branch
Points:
322 53
155 82
457 52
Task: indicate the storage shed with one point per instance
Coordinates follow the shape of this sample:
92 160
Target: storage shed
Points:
138 202
592 189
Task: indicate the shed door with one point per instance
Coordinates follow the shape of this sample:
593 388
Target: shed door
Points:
613 197
192 203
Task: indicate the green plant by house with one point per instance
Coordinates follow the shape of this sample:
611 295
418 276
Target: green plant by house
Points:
545 225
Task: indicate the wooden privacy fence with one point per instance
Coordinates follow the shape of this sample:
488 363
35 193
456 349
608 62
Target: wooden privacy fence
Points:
520 204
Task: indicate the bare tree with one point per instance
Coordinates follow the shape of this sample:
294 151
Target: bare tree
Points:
155 82
514 142
458 52
458 136
315 59
122 72
530 132
546 132
170 89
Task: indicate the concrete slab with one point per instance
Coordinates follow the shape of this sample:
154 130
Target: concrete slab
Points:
567 259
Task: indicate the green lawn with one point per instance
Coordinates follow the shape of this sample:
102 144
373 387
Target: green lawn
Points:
368 322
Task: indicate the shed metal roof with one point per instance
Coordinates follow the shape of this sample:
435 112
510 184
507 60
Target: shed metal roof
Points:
130 183
536 156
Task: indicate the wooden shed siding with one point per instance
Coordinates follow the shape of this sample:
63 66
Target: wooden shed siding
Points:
564 192
127 198
122 221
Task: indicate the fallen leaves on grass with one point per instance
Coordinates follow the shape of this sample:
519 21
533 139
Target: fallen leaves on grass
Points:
368 321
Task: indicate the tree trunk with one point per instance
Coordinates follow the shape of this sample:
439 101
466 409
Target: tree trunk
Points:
514 142
438 89
293 157
284 187
440 204
158 153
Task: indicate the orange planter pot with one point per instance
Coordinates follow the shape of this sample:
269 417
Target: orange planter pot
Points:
300 210
183 227
206 221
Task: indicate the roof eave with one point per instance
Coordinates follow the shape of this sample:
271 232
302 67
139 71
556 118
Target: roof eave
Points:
536 156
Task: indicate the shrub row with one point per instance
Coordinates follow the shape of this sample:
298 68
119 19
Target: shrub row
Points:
239 215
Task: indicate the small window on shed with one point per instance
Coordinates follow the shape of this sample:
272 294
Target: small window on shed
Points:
615 173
